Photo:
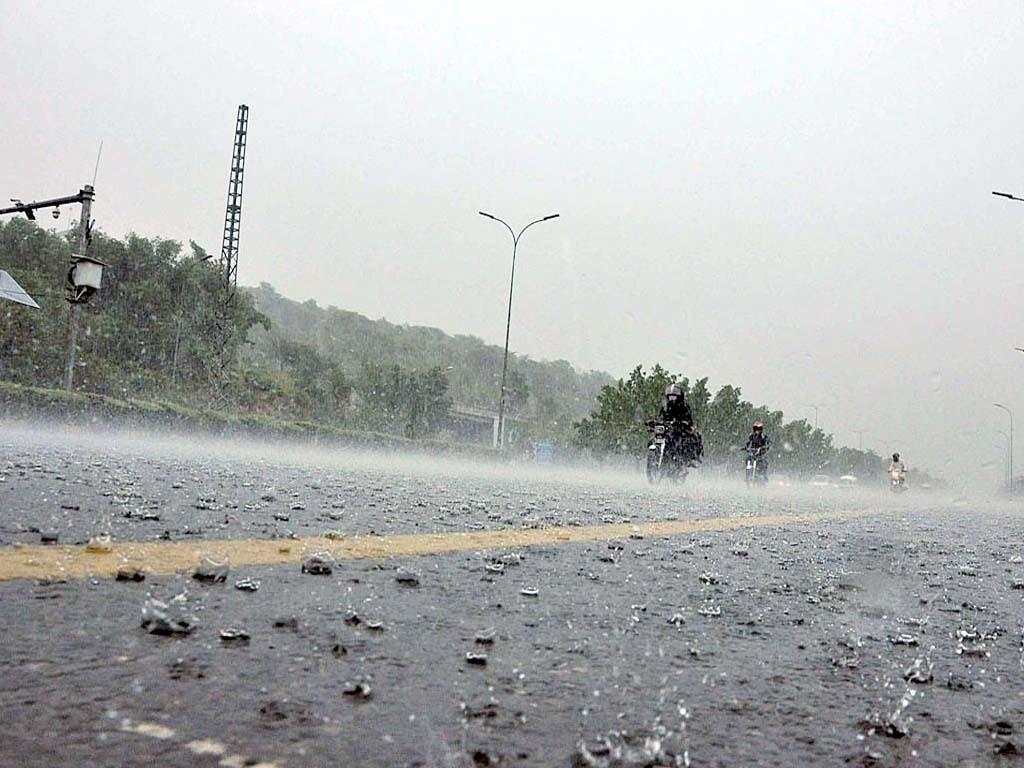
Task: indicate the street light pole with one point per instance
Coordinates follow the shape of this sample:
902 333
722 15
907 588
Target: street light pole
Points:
1010 460
508 322
1006 437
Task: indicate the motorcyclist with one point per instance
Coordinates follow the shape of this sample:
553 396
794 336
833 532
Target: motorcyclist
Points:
758 440
757 447
675 411
897 473
674 406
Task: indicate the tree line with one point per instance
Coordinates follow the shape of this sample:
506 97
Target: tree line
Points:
616 427
156 328
154 331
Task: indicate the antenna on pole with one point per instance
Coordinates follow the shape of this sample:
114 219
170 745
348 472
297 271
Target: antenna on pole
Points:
96 171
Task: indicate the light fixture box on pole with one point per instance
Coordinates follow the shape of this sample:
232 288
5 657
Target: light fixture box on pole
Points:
84 277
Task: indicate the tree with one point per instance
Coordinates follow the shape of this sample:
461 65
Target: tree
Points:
413 403
517 392
616 425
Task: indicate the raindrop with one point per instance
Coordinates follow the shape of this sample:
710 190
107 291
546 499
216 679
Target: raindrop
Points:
130 573
211 571
407 577
247 585
170 618
318 564
101 544
234 636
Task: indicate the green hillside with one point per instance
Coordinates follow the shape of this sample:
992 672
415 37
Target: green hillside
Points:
552 394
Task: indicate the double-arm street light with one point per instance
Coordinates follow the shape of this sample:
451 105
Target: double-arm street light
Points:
1009 461
508 322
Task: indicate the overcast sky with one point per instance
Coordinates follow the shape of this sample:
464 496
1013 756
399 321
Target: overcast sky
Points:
790 197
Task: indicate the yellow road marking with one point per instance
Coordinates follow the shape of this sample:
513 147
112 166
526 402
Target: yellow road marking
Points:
164 557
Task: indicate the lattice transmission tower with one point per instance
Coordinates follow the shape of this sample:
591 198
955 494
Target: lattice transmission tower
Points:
233 213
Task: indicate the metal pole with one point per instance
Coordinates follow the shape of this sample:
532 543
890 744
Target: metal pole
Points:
83 246
1010 460
508 322
504 364
815 407
1007 438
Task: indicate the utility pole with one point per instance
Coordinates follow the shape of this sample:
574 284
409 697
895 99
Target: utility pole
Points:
83 246
81 285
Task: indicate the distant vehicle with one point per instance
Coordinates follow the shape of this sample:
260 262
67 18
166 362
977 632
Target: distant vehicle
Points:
757 466
848 480
821 481
898 479
544 452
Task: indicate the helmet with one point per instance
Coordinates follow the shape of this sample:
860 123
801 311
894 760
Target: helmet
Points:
895 457
673 390
759 426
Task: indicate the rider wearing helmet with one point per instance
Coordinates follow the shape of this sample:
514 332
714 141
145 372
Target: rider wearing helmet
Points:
675 411
674 407
896 463
758 440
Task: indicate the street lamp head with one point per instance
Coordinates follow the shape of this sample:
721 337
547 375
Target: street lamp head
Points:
484 213
552 216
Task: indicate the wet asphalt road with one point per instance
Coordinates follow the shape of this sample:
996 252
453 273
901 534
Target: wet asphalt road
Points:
890 639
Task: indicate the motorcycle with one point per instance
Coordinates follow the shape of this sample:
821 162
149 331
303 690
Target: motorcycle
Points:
897 480
757 466
671 451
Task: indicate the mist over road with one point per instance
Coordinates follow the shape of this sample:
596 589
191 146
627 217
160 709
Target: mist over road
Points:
477 614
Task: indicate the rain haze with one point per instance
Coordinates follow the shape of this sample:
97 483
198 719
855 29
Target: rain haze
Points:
793 198
246 522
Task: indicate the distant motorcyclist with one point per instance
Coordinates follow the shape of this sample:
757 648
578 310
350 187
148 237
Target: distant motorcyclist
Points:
758 440
897 473
756 448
